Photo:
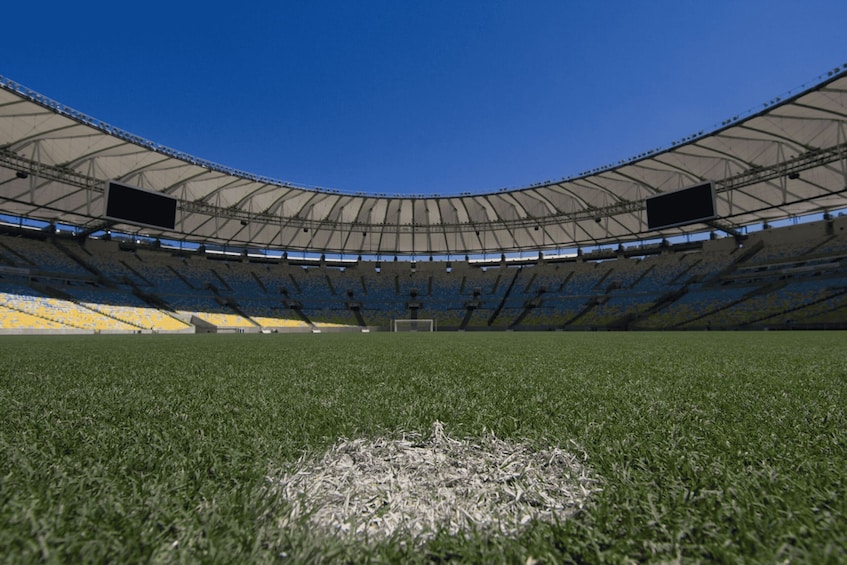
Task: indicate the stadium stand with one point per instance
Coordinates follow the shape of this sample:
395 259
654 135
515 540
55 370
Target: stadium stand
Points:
788 277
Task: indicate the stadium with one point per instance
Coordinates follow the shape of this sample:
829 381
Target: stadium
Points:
237 252
606 438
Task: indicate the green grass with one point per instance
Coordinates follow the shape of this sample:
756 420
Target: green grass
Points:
726 447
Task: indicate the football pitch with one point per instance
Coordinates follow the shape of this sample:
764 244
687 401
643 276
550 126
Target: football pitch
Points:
705 446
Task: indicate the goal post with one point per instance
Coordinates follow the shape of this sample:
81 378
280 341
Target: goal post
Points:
406 325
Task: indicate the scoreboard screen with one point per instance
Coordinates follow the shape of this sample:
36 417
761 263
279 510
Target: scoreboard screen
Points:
680 207
134 205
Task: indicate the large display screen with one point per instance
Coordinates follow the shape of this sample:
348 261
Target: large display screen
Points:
134 205
680 207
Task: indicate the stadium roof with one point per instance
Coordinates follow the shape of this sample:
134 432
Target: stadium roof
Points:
789 159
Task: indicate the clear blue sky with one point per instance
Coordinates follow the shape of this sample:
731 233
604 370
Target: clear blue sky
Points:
419 96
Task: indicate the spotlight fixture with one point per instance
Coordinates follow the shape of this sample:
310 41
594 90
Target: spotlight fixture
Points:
21 174
794 176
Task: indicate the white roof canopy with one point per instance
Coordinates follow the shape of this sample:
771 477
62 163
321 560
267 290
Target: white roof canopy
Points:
790 159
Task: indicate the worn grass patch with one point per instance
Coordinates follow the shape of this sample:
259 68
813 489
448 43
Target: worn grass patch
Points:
376 489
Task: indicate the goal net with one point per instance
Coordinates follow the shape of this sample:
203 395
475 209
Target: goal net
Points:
427 325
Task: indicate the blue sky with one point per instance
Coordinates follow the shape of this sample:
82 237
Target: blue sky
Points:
419 96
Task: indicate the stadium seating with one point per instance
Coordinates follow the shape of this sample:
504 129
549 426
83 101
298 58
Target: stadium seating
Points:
794 276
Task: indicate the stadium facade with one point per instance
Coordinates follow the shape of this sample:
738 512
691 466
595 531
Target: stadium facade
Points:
249 253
